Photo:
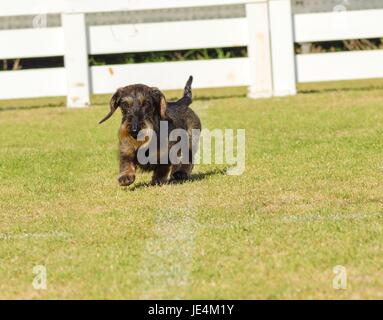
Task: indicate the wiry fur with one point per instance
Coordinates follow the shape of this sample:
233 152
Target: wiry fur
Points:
144 107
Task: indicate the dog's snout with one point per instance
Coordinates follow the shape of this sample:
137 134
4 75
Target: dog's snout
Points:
134 127
134 133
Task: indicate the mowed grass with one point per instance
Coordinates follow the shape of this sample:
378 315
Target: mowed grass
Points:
311 198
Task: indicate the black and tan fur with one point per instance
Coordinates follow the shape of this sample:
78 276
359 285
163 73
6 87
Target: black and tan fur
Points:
143 108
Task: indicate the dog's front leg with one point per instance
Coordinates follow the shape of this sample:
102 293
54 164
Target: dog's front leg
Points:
161 174
127 167
127 160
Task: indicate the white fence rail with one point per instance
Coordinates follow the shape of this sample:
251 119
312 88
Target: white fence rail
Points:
342 25
268 30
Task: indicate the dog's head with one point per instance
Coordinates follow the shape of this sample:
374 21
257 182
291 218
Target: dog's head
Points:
140 105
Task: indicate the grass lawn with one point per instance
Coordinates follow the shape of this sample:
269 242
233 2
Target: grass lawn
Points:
311 198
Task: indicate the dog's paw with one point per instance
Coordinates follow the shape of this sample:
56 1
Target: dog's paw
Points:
159 181
180 175
126 180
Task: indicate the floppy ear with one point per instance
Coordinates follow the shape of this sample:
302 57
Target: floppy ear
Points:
160 102
114 103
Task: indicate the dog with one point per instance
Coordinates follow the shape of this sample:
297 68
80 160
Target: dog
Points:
145 109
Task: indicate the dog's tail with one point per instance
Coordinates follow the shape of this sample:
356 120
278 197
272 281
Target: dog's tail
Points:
187 98
188 89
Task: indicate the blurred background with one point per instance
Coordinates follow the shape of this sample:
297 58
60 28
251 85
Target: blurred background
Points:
198 13
81 48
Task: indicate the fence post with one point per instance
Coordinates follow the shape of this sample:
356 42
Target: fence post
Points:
282 47
76 60
261 83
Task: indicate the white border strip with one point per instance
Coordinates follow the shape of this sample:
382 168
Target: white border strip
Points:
32 7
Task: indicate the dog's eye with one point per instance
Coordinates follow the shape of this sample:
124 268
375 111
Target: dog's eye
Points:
126 111
148 107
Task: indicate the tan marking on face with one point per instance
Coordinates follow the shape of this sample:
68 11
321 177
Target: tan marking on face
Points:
128 100
126 138
140 98
123 132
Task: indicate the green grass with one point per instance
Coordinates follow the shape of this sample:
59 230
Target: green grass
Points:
311 198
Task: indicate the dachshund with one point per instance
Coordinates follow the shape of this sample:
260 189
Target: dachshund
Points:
145 112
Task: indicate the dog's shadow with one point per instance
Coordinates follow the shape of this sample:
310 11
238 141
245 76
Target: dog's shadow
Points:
194 178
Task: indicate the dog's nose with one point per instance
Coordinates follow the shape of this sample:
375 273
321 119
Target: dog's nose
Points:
134 127
134 132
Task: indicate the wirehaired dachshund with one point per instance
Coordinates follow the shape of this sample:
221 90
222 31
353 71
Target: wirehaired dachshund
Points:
148 120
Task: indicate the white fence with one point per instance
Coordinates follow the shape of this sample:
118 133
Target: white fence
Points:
269 30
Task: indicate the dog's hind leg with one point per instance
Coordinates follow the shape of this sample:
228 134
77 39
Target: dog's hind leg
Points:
183 171
161 174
